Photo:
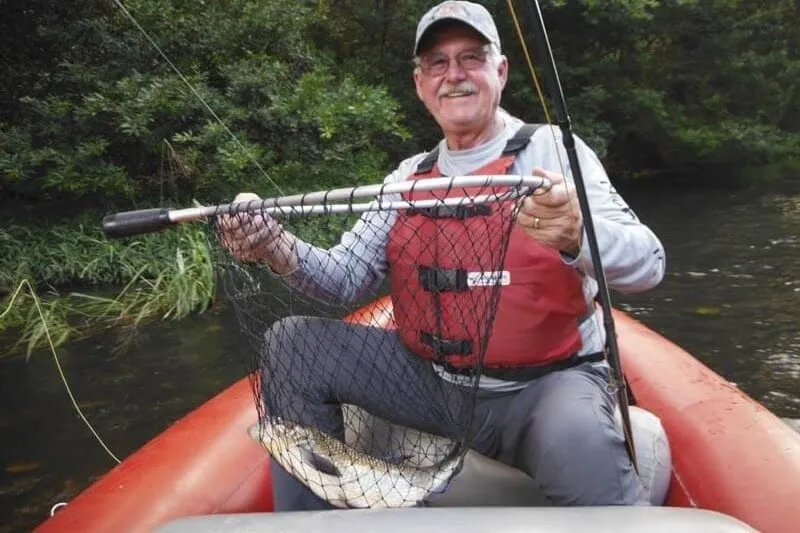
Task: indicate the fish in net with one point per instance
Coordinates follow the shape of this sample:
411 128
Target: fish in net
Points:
367 325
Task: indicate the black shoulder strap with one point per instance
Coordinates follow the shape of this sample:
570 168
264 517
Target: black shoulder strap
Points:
521 139
514 145
426 165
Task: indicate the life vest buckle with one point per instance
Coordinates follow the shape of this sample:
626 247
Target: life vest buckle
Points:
434 279
444 347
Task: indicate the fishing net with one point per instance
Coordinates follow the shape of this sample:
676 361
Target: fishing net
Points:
340 349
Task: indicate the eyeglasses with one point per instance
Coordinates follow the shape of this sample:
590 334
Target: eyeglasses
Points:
438 64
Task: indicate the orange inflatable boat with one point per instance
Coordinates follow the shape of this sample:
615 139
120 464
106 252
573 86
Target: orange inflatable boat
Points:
735 466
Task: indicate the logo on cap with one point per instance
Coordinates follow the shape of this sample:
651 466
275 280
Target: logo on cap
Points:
449 9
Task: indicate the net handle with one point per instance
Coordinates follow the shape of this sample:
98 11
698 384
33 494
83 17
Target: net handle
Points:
129 223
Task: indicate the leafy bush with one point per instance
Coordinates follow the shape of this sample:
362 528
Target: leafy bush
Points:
109 115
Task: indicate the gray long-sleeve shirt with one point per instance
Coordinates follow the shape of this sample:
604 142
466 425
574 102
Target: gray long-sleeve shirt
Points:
633 257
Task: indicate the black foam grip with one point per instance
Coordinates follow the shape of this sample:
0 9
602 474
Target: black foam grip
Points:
136 222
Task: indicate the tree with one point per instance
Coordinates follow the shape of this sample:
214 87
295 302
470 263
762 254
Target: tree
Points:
100 114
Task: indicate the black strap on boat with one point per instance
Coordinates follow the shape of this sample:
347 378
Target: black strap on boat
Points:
526 373
435 279
461 212
444 347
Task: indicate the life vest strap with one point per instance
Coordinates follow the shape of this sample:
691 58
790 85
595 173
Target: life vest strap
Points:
520 139
452 211
427 164
516 143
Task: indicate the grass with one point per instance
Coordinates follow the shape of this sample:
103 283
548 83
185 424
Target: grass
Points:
86 282
77 252
162 276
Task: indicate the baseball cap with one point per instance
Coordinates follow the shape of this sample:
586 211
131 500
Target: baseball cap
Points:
473 15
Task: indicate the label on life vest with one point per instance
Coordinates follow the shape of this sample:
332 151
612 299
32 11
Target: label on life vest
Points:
487 279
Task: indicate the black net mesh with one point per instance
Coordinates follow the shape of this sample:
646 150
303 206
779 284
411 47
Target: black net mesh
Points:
342 334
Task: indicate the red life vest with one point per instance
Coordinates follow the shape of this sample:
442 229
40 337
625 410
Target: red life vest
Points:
446 265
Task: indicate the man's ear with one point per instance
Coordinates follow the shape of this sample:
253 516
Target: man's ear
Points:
417 82
502 71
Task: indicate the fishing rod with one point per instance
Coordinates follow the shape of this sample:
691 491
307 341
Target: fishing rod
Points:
544 53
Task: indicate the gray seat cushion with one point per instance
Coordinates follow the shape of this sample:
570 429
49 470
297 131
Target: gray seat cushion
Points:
485 482
468 520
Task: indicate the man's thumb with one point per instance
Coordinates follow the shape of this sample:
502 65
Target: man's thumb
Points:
552 176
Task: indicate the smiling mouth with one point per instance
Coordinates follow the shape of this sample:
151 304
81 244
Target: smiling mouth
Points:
458 94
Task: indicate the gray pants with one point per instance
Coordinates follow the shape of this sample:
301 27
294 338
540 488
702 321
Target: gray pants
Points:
560 429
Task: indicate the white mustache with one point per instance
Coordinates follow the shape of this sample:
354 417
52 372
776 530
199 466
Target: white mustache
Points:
464 87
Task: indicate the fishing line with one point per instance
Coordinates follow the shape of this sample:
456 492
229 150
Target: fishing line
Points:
26 283
529 62
196 93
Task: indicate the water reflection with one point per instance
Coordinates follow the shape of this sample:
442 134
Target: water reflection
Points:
731 297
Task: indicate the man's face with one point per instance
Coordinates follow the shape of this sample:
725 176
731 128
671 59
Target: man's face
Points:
458 83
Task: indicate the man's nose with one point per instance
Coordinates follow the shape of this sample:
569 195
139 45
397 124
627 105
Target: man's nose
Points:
454 70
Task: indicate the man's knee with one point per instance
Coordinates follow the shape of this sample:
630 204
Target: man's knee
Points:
287 329
284 356
581 459
288 339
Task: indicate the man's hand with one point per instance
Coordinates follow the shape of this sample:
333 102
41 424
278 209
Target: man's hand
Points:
255 237
553 217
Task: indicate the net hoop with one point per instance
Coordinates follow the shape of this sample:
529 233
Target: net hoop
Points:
323 202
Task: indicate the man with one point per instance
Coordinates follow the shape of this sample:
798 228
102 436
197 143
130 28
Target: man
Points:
555 422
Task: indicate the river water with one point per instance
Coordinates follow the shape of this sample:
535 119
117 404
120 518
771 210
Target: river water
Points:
731 297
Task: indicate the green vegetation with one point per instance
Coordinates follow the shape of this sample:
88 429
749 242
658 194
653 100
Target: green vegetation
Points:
319 95
167 276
